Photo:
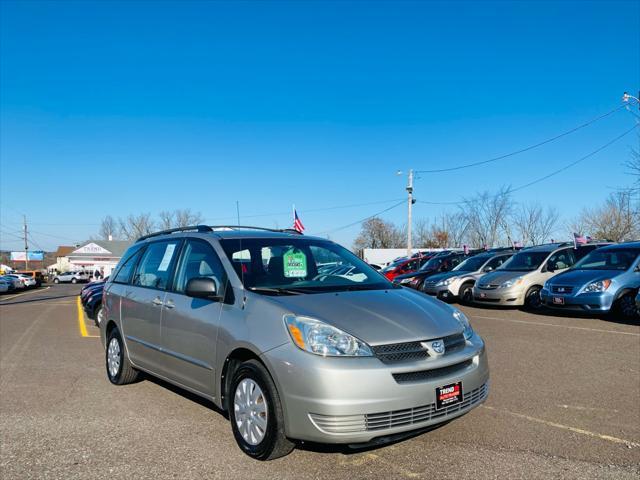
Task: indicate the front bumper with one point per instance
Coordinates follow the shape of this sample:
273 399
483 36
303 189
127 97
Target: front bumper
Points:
596 302
356 400
499 296
445 292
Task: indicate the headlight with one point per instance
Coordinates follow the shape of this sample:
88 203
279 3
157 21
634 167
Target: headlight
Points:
512 283
445 282
600 286
320 338
464 321
406 281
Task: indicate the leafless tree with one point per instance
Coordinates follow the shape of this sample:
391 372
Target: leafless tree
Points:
534 224
486 216
378 233
185 218
615 220
135 226
456 226
108 228
167 220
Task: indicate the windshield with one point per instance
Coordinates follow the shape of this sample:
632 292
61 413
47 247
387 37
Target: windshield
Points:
617 259
288 266
392 266
524 262
432 264
471 264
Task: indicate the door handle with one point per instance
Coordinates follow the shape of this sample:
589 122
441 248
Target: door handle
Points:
157 302
169 304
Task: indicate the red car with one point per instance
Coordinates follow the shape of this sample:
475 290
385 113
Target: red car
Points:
404 266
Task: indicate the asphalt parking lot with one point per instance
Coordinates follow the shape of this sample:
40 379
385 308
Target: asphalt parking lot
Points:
564 403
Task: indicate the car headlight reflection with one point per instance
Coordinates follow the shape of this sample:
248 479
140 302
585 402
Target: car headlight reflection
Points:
319 338
464 322
599 286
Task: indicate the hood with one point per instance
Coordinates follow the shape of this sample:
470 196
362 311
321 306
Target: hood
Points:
377 317
416 274
499 277
578 278
443 276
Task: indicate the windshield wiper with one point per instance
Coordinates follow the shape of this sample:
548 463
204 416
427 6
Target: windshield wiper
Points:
276 290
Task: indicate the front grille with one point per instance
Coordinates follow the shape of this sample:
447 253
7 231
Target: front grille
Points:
412 351
480 299
488 286
561 289
427 375
410 416
342 424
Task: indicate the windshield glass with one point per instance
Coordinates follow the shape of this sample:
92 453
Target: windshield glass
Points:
524 262
471 264
432 264
617 259
287 266
392 266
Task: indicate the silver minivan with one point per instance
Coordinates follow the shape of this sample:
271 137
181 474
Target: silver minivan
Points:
250 320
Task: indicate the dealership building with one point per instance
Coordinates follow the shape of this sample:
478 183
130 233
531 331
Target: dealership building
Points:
101 255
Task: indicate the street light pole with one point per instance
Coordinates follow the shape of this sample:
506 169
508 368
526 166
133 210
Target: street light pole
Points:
410 202
26 245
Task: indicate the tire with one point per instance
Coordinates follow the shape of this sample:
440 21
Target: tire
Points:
74 280
465 294
266 442
532 299
119 369
625 307
98 315
56 280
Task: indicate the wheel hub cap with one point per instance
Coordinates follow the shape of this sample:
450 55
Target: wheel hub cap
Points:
250 411
113 357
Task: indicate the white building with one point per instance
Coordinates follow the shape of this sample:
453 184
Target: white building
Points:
101 255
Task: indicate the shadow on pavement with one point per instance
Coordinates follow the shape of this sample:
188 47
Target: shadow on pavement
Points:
37 299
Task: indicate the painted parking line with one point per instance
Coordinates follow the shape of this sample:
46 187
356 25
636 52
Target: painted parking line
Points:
581 431
82 322
22 293
542 324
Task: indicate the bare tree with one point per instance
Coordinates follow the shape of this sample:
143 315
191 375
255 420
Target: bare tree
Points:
616 220
167 220
378 233
185 218
135 226
108 228
456 225
534 224
486 216
421 233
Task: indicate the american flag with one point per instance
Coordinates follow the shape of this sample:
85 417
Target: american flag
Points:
297 224
517 244
579 239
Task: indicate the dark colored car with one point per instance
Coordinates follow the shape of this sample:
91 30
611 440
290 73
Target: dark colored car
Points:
442 262
93 303
405 266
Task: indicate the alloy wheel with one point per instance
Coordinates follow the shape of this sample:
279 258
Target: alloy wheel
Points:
113 357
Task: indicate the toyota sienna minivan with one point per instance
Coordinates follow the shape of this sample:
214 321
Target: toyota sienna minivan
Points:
242 316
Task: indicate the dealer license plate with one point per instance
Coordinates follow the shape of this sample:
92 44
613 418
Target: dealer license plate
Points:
558 300
448 395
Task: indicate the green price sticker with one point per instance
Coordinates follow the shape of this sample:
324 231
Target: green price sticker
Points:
295 264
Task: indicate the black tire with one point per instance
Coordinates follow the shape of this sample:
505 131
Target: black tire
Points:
532 299
274 444
465 294
97 313
56 280
625 308
124 373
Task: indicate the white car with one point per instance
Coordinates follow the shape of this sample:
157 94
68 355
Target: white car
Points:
71 277
25 280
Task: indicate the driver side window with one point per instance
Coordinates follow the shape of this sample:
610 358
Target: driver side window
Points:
561 260
198 260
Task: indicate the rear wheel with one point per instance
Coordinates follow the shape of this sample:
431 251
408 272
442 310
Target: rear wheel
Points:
119 369
532 299
466 293
56 280
625 307
98 315
74 280
256 414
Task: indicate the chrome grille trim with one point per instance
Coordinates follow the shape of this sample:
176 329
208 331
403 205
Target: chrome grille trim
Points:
411 351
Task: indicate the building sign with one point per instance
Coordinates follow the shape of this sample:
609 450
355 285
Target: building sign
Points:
35 256
92 249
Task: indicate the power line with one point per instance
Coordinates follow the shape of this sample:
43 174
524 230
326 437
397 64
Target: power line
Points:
549 175
526 149
362 220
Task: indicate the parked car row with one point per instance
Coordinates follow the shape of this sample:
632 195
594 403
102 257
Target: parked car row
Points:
91 299
16 281
596 277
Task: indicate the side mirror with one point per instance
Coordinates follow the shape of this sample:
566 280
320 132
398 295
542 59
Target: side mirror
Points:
550 267
487 269
203 287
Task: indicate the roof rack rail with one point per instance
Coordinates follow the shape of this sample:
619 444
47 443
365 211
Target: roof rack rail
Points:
198 228
211 228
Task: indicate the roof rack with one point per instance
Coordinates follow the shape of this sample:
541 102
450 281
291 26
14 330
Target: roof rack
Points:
211 228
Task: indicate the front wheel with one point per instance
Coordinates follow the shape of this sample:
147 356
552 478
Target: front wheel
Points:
74 280
98 316
256 414
56 280
466 293
532 300
625 307
119 369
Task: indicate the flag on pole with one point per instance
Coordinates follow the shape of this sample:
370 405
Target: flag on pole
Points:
578 240
297 224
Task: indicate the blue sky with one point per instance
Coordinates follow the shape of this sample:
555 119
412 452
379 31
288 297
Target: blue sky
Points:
129 107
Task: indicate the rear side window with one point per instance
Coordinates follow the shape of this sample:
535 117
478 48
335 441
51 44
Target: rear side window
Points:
154 269
125 271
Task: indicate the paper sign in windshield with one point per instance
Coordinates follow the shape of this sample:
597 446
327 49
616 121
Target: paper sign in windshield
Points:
295 264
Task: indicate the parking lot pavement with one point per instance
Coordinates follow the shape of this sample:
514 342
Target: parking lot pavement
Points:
564 402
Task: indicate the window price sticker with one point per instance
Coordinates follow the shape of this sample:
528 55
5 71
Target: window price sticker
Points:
295 264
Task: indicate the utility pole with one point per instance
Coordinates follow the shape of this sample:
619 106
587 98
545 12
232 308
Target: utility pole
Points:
410 202
238 211
26 245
